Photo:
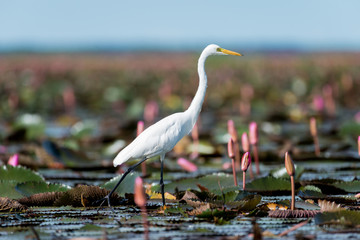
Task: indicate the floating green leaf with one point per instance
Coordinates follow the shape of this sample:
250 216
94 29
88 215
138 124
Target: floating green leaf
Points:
352 187
248 203
19 174
210 182
127 185
7 189
268 184
345 219
29 188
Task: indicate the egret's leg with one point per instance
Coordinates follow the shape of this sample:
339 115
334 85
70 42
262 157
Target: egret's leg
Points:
162 179
107 197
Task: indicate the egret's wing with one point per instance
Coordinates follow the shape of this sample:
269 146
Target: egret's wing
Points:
158 138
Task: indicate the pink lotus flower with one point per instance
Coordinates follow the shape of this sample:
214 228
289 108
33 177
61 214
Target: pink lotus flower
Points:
232 130
318 103
357 117
245 161
231 148
151 111
245 142
139 194
253 133
14 160
140 127
187 165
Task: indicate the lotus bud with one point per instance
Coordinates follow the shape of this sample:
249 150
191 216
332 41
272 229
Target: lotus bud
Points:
313 129
318 103
139 194
140 127
245 161
232 130
245 142
231 148
253 133
151 111
14 160
187 165
289 165
359 145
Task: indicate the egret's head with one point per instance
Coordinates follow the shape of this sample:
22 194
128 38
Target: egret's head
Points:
214 49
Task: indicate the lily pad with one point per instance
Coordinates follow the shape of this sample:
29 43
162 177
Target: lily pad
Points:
19 174
210 182
7 189
269 185
352 187
282 173
339 219
29 188
246 204
127 185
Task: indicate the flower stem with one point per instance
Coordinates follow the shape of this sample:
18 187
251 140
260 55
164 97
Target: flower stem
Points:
292 193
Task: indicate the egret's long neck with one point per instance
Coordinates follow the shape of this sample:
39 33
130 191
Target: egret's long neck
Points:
196 104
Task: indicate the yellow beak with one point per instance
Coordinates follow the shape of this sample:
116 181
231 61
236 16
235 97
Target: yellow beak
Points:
230 52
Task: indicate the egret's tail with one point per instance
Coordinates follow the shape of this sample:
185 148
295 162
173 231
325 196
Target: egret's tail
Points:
122 157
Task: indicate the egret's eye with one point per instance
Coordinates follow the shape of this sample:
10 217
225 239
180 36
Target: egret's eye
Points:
218 49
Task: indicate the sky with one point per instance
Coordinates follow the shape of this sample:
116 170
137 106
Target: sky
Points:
185 24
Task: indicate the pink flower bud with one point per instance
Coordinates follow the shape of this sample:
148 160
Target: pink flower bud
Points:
195 132
289 165
245 142
245 161
187 165
232 130
313 129
231 148
318 103
139 194
357 117
140 127
151 111
359 145
253 133
14 160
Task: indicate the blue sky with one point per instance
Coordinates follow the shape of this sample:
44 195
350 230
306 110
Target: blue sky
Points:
312 24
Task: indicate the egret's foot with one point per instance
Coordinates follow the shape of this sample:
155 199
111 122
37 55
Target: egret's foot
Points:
106 198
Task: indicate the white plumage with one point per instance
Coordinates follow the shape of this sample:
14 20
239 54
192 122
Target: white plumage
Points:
161 137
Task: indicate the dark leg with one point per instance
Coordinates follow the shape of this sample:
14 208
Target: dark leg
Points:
162 179
107 198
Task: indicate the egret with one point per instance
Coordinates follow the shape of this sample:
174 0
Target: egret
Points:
162 136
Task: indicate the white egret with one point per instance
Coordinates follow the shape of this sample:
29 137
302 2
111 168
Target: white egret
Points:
162 136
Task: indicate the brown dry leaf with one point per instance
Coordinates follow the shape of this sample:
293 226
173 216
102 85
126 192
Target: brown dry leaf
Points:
293 213
191 199
41 199
202 188
9 205
327 206
200 209
85 196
